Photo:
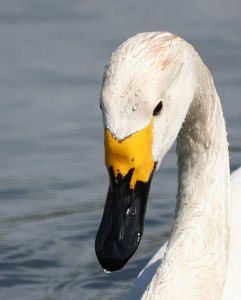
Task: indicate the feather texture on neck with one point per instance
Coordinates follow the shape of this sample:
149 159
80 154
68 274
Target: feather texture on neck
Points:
194 266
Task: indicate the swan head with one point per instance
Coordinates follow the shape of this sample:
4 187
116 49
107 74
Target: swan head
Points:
144 99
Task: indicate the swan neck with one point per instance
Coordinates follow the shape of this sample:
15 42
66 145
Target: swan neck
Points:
200 231
202 149
194 266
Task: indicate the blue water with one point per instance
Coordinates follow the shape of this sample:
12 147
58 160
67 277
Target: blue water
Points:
53 181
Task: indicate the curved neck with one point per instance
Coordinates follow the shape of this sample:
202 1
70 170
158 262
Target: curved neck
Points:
194 265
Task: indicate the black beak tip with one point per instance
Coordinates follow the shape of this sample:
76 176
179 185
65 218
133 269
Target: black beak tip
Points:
114 254
111 264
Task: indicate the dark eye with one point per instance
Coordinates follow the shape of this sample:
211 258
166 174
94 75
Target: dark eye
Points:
100 106
157 109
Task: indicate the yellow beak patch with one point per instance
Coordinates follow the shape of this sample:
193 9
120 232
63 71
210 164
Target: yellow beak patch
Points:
134 152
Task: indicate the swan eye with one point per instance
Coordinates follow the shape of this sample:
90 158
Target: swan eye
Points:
157 109
100 106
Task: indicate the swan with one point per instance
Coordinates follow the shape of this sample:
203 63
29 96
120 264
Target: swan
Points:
155 89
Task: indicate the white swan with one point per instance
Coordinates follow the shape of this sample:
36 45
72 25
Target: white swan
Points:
156 88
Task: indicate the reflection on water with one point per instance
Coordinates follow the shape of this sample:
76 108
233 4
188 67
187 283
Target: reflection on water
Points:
53 181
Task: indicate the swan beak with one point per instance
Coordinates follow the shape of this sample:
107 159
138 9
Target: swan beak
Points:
130 166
